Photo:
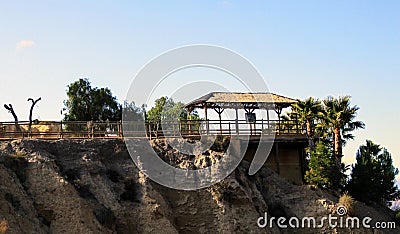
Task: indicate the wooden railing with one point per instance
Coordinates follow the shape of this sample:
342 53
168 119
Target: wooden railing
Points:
60 129
109 129
223 127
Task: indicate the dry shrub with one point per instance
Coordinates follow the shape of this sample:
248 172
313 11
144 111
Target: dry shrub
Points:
349 202
3 226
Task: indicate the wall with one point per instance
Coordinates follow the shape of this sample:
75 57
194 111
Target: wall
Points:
290 161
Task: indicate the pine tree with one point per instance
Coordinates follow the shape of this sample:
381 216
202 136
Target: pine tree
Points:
373 175
323 171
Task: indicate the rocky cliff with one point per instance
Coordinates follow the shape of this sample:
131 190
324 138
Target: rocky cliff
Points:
92 186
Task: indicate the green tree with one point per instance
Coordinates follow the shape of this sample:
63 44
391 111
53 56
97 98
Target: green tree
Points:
373 175
132 112
86 103
322 170
338 123
168 112
155 113
167 109
307 112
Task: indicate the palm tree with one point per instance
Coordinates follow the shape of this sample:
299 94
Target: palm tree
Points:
339 121
307 112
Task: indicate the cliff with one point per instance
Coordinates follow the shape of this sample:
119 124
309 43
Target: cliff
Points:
92 186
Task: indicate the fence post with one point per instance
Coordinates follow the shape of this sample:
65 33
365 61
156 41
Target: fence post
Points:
120 128
92 130
262 126
61 130
150 133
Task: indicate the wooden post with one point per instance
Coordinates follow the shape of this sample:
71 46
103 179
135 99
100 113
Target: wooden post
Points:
278 110
251 129
262 126
150 130
220 123
279 122
157 127
119 128
237 121
188 123
268 120
207 123
219 110
61 130
207 127
92 130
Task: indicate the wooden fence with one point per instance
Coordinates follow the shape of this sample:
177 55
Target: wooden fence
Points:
113 129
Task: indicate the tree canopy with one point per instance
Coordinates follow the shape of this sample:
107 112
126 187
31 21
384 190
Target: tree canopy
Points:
87 103
167 109
329 123
322 170
339 123
308 112
373 175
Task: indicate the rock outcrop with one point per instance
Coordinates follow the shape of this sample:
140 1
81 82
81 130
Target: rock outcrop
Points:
92 186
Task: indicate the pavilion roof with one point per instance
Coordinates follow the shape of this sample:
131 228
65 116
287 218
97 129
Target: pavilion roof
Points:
241 100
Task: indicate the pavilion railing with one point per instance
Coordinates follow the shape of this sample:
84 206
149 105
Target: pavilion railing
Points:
113 129
223 127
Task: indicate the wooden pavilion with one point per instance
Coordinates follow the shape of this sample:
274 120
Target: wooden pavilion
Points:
287 156
249 102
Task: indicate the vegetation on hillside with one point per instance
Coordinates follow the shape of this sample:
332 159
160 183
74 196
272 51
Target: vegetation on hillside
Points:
323 171
167 109
373 175
329 125
87 103
308 112
3 226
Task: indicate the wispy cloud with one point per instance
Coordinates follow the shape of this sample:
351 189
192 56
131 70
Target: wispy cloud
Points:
24 44
226 3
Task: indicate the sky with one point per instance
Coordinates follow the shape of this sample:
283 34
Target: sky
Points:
302 49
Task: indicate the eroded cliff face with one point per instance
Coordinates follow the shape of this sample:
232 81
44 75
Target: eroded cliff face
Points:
92 186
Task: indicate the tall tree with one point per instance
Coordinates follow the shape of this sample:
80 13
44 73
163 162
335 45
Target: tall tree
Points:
339 122
133 112
30 113
322 170
10 109
85 103
167 109
307 112
373 175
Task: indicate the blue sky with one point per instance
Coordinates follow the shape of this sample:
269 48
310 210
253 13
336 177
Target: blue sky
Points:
302 48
